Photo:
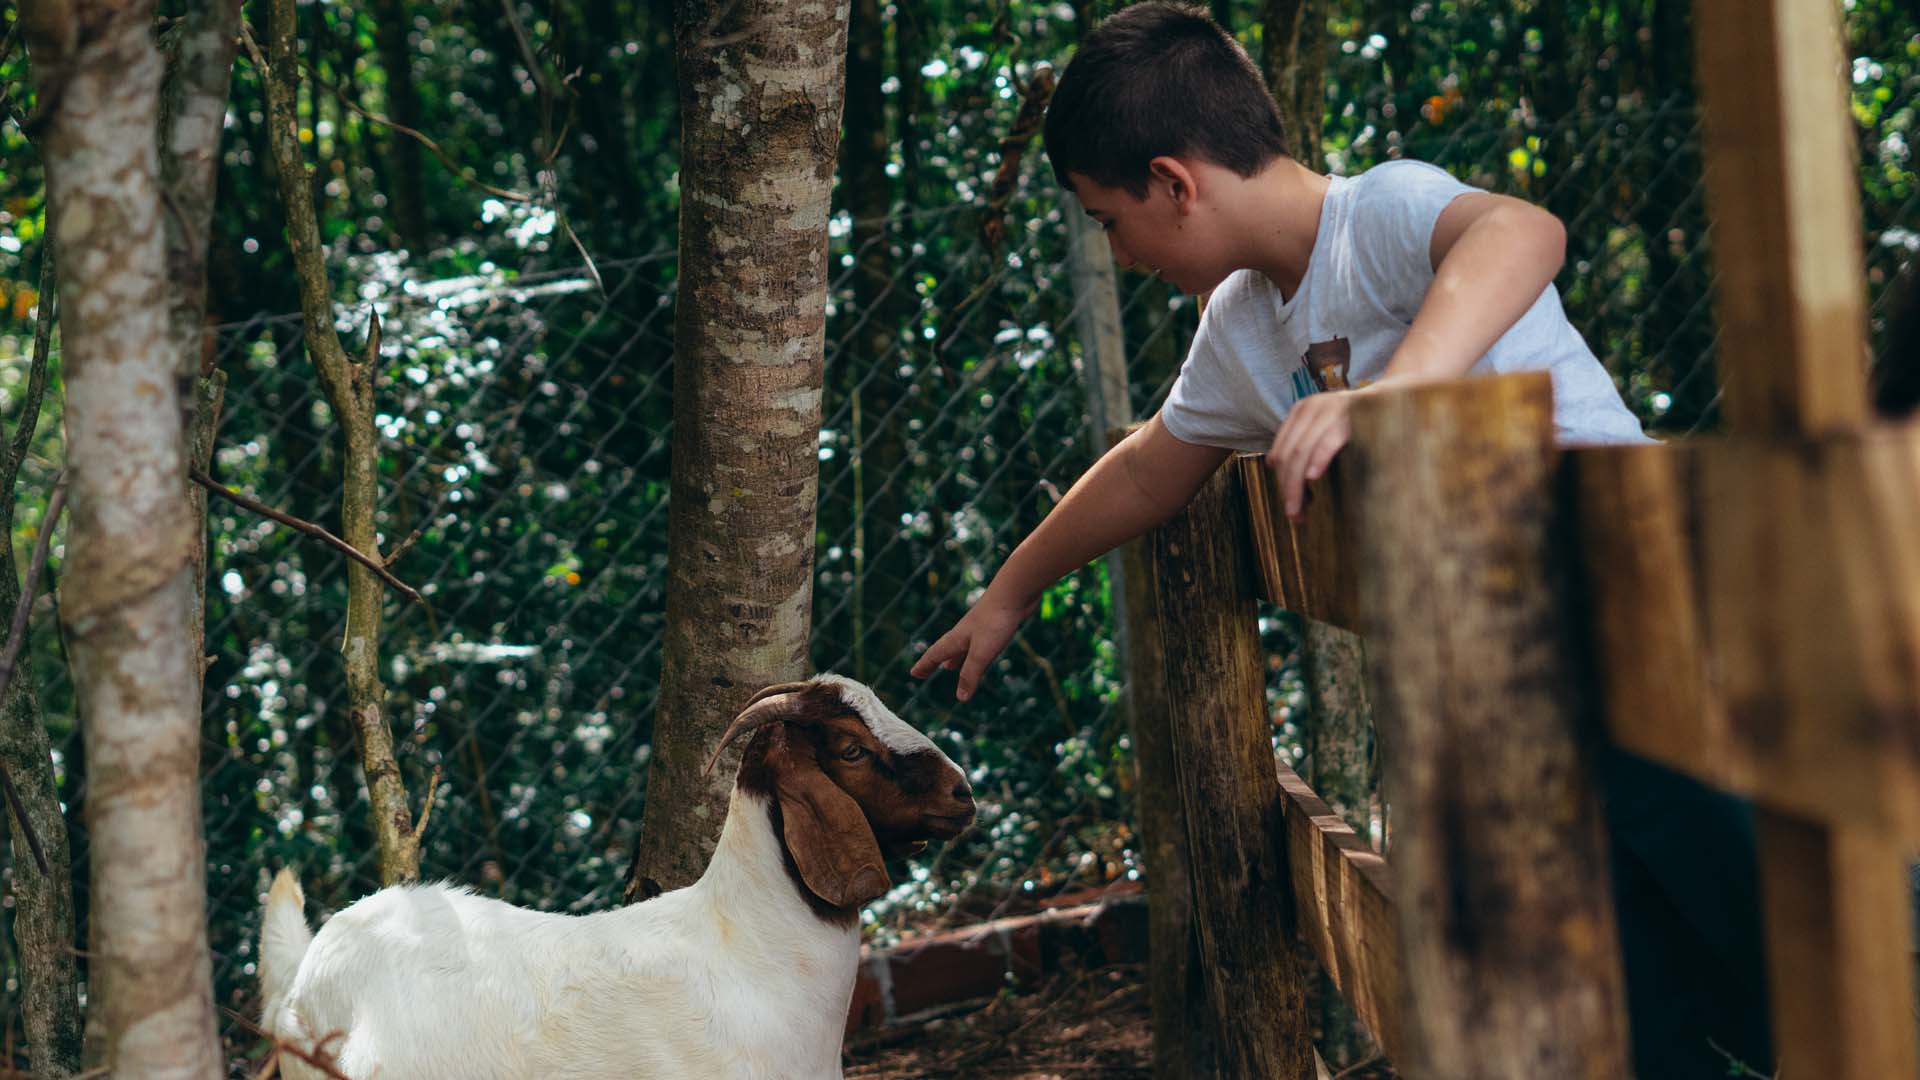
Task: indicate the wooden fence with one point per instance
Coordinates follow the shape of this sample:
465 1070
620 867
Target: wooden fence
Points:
1743 609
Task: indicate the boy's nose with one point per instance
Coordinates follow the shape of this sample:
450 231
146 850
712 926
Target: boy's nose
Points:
1119 253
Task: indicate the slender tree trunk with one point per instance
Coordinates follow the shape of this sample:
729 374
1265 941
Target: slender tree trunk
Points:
392 28
43 925
1296 65
193 107
349 388
761 97
128 597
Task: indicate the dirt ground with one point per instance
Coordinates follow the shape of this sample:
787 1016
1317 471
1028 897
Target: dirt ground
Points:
1076 1026
1089 1025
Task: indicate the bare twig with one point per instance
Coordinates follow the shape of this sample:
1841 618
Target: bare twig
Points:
541 76
1013 148
371 562
318 1057
43 324
1357 1067
406 545
253 50
459 173
426 805
1736 1067
16 636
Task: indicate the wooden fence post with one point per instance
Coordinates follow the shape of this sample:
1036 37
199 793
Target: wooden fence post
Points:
1783 187
1499 858
1223 748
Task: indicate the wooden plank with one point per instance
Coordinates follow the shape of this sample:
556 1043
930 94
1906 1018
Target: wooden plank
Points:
1305 567
1182 1029
1505 918
1755 614
1223 754
1783 191
1342 897
1839 949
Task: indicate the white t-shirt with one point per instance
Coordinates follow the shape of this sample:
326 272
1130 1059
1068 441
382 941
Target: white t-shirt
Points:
1256 353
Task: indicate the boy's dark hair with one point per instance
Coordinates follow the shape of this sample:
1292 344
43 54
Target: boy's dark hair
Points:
1160 78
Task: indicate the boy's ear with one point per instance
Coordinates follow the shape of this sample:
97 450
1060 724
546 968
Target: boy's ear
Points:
1177 178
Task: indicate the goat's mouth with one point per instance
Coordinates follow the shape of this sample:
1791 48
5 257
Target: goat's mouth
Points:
946 826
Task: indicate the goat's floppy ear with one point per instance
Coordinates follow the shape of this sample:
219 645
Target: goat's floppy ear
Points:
827 833
778 702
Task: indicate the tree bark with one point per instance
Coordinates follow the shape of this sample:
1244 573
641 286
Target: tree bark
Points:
348 385
1295 32
1501 870
1223 751
880 303
127 597
43 924
761 99
193 107
392 29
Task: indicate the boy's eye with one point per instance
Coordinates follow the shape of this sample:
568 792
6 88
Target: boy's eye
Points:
1106 226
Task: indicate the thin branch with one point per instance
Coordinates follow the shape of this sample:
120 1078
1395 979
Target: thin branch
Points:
319 1057
459 172
538 70
406 545
426 807
253 50
37 374
16 637
371 562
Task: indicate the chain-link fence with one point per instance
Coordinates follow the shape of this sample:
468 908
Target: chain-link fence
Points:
526 420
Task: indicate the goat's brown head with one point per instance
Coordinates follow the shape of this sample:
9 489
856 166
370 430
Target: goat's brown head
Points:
851 785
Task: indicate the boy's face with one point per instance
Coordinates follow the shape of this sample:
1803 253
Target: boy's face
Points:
1161 232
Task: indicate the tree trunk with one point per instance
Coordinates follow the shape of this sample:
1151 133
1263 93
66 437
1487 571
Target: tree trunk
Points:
880 303
1296 66
392 28
761 95
128 597
43 924
349 389
193 107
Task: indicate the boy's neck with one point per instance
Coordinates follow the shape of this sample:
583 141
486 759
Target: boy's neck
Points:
1278 211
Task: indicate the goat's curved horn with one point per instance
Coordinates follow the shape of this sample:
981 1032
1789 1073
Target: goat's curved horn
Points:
777 702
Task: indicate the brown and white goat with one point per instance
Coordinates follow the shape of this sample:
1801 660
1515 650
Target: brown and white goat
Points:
744 975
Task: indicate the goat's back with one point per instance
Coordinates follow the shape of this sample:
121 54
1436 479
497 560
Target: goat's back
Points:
433 982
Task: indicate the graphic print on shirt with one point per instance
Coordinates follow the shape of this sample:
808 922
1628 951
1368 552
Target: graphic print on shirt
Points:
1330 364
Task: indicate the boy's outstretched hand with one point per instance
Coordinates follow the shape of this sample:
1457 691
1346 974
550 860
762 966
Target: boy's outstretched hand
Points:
975 640
1315 429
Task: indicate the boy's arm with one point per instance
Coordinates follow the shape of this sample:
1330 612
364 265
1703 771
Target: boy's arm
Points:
1492 258
1144 480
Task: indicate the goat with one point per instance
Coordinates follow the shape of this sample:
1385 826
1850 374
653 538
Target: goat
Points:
746 974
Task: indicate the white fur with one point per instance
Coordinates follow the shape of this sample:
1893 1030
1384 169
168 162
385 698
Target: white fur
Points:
894 733
731 978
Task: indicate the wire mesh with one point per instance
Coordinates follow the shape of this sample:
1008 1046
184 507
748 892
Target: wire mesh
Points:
525 419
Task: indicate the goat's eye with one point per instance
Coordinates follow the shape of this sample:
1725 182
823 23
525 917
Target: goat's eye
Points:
853 752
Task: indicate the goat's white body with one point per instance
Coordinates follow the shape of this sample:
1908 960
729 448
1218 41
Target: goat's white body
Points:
731 978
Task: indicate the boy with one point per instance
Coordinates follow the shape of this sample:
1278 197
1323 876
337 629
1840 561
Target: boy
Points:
1323 289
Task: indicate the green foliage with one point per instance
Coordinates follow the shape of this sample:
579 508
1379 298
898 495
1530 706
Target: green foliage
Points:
526 412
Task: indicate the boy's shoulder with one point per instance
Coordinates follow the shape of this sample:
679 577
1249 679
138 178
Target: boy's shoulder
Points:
1403 178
